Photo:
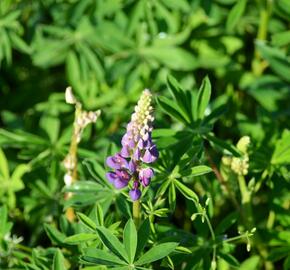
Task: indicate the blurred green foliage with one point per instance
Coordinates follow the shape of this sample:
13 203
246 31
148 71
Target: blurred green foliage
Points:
108 51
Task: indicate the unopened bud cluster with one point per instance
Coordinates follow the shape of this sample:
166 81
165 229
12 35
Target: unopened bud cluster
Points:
137 150
82 119
239 165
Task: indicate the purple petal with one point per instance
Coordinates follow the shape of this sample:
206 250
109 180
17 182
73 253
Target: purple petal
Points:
135 194
123 175
145 176
119 183
150 155
132 166
145 181
110 161
128 140
117 162
147 173
111 176
141 144
125 152
137 154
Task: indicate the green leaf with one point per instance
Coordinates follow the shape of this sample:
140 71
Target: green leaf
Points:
278 253
55 235
172 196
4 169
231 260
186 192
51 125
58 261
73 69
80 237
277 60
3 220
84 187
281 153
250 264
156 253
202 99
101 257
223 145
143 236
172 109
130 239
235 14
112 242
87 221
16 176
281 39
227 222
19 43
180 96
173 57
196 170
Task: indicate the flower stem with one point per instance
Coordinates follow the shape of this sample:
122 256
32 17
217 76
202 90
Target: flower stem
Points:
246 202
213 239
136 212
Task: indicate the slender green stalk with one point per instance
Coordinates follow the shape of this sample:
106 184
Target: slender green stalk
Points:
136 212
246 202
213 239
258 65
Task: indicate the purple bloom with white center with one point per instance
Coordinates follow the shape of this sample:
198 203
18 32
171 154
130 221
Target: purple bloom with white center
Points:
138 150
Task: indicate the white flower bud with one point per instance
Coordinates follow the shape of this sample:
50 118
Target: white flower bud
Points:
67 179
69 96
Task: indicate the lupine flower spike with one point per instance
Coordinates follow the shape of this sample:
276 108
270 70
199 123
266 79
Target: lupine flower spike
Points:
130 164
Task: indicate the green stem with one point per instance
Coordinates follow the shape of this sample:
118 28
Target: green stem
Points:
258 65
246 202
24 248
213 239
136 212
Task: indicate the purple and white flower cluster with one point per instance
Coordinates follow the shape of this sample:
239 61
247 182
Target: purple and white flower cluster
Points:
137 151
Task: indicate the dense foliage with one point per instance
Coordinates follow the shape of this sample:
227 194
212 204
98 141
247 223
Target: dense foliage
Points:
219 75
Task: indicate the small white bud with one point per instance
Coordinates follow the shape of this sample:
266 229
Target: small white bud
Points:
69 96
67 179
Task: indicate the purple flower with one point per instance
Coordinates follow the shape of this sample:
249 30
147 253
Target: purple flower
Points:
117 161
137 149
135 194
145 176
120 178
150 155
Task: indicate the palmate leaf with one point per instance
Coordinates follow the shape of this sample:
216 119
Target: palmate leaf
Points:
156 253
